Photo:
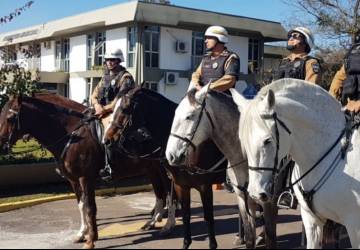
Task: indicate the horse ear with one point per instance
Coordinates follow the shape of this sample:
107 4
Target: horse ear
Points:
201 95
270 98
240 101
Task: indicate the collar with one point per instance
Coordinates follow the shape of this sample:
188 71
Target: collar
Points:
292 57
225 52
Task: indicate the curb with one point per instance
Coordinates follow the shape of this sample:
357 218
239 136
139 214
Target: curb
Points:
29 203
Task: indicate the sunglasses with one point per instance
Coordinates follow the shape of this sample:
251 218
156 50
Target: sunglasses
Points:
295 36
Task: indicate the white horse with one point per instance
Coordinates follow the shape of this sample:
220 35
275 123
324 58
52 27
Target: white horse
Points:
207 115
292 117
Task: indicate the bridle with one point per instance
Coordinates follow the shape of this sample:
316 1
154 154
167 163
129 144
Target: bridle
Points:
309 194
277 121
15 121
189 141
123 128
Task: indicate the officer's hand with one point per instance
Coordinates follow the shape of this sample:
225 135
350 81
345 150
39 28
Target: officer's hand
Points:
99 110
353 106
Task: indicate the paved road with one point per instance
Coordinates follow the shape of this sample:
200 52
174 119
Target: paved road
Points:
54 224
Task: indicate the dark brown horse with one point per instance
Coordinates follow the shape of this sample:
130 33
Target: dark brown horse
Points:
59 125
147 113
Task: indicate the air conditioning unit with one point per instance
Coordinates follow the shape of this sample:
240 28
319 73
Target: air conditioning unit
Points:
171 78
182 47
47 45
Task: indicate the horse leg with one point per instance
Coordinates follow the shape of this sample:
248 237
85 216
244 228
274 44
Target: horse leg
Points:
248 221
80 237
270 216
183 194
313 229
208 205
160 194
240 237
352 226
171 221
90 211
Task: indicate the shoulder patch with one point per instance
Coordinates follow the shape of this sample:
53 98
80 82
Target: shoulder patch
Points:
316 67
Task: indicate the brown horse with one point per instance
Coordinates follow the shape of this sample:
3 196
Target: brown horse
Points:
59 125
147 113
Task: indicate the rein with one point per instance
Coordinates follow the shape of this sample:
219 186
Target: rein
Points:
308 195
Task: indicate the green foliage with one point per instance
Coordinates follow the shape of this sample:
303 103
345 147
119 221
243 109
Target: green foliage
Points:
26 152
16 81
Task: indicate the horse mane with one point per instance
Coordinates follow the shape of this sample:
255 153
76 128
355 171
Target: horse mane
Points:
293 89
151 94
222 97
60 101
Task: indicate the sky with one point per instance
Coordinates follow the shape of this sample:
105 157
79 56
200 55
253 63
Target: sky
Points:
43 11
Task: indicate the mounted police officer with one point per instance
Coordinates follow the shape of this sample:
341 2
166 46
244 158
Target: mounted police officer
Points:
219 66
299 64
115 82
346 84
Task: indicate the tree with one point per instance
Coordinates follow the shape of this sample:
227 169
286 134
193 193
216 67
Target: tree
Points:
17 12
16 81
334 20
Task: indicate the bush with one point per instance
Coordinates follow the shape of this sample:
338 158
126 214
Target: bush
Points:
26 153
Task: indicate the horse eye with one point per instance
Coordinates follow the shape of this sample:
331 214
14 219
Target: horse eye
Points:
267 142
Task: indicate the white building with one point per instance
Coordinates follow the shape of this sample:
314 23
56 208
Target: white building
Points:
162 43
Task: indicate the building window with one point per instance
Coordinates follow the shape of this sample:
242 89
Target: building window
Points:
97 42
132 38
152 46
254 56
62 55
198 49
154 86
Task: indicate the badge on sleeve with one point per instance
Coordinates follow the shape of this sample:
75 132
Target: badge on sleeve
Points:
316 68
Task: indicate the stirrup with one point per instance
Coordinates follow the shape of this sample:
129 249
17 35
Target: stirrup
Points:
287 200
106 173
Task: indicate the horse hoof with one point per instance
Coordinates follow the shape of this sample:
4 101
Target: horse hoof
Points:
79 239
166 232
89 245
213 246
187 244
148 227
239 242
259 241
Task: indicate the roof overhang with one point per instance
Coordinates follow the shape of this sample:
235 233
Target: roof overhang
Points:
166 15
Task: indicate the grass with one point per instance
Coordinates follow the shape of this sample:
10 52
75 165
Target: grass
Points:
27 152
24 198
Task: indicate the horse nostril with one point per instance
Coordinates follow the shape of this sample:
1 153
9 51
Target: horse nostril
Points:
263 197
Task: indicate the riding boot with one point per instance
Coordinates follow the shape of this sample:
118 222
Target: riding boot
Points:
107 172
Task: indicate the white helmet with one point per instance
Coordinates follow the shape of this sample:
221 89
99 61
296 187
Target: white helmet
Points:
310 40
115 54
219 32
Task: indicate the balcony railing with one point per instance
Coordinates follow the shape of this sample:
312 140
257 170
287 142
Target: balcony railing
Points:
62 65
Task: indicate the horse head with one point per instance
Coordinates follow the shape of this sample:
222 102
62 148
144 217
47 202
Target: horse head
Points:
10 128
128 117
190 127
